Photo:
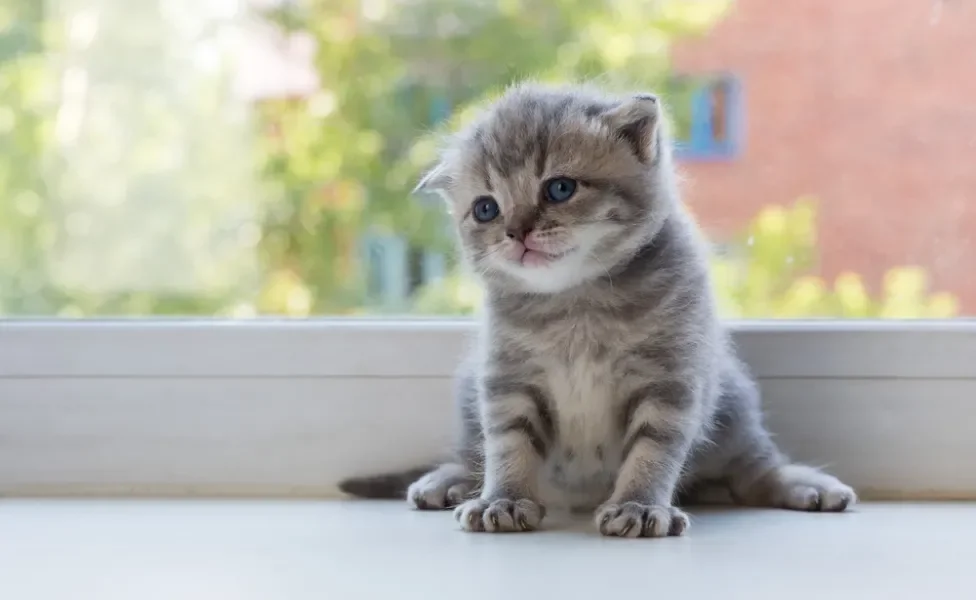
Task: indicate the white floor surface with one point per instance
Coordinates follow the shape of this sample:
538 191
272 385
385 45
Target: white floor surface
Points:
332 550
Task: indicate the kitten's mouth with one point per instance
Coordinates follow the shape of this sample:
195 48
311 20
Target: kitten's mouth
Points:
538 258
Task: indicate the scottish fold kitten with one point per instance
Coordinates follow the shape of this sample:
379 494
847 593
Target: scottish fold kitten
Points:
602 378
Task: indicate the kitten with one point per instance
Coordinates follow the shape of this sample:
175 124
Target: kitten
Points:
602 379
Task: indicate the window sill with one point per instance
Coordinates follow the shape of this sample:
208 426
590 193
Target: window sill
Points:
292 550
288 408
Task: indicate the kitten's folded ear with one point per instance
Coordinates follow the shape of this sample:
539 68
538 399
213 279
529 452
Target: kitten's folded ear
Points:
435 180
637 121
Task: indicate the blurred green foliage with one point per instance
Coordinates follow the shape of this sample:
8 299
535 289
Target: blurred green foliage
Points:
134 180
128 184
766 273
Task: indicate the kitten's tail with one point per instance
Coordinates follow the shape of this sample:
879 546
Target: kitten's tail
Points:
386 486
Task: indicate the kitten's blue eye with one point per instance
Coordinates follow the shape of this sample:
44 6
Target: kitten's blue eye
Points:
485 209
560 189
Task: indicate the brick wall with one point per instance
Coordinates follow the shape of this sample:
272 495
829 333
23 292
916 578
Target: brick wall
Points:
869 105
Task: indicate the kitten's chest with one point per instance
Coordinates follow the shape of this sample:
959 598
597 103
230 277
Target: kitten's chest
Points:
582 466
579 368
579 372
582 392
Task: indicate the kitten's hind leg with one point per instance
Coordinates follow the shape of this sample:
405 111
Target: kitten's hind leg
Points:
445 487
792 486
757 472
759 475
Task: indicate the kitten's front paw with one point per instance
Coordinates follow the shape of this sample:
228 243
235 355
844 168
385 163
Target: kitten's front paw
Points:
632 519
497 516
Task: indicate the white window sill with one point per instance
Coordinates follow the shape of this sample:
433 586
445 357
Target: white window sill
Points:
296 550
289 408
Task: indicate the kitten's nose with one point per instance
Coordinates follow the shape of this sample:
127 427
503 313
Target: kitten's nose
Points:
519 233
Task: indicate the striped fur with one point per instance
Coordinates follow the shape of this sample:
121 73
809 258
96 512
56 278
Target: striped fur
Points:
602 380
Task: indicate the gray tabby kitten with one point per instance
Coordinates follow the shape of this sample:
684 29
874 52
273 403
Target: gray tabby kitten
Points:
602 378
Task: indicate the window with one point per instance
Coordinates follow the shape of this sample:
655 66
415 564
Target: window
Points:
191 166
239 158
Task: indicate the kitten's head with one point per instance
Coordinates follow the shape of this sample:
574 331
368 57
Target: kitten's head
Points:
553 187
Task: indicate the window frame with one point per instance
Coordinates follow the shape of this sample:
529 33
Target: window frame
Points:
288 407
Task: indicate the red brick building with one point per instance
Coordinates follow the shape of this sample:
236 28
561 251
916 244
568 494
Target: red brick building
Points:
870 105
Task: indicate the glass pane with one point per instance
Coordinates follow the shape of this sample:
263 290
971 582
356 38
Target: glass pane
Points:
256 157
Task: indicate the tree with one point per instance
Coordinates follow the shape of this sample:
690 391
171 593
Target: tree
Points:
22 179
768 274
133 180
390 73
127 179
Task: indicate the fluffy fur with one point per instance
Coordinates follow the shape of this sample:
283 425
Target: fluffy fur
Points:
603 379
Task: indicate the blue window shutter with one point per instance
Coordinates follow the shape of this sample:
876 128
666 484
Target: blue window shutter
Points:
434 267
701 120
386 269
702 143
440 109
